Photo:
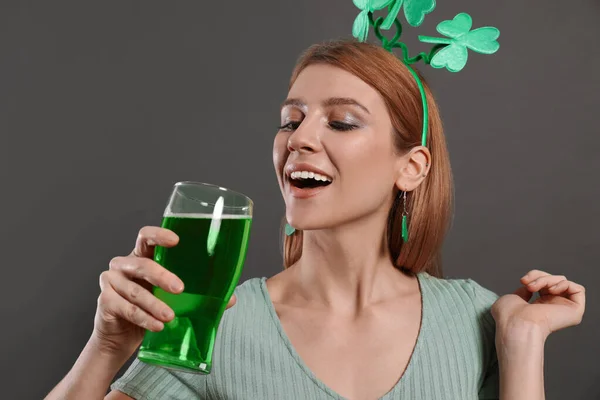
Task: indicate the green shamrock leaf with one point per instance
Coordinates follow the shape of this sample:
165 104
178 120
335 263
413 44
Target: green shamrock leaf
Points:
414 11
454 56
360 28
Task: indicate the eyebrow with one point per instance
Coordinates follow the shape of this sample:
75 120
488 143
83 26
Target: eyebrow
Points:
330 102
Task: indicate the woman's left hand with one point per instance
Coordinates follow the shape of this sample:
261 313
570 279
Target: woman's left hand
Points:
561 304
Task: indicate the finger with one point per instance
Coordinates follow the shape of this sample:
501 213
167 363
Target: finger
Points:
231 302
558 288
533 275
136 294
523 293
112 305
573 291
147 270
151 236
544 282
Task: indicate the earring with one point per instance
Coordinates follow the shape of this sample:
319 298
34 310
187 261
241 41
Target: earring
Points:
404 219
289 230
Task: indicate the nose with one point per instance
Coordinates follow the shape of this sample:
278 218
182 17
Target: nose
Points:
306 138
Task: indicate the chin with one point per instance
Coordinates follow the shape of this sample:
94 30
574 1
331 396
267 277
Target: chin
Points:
308 223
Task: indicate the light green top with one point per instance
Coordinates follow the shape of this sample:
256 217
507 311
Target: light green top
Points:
454 358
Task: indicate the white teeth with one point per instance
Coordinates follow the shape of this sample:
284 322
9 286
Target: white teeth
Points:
309 175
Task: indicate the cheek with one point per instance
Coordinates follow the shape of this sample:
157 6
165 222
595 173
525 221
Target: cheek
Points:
280 153
368 181
367 163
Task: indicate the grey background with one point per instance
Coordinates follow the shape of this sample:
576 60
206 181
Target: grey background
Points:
104 105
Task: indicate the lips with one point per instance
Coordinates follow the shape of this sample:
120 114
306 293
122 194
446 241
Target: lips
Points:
306 180
293 167
305 193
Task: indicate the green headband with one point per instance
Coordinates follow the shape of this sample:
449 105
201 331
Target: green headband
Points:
450 52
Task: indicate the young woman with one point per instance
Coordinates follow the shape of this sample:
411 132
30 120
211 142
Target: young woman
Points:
358 312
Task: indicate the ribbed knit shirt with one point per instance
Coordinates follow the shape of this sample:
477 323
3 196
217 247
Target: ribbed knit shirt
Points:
454 357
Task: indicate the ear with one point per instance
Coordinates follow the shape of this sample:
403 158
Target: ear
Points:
412 168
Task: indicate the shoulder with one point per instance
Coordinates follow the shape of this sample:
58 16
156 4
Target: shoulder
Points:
460 290
459 299
249 295
458 314
248 313
249 286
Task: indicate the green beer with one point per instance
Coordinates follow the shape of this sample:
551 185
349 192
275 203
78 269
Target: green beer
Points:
208 259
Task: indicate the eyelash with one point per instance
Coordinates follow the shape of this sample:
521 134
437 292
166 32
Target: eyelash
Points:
335 125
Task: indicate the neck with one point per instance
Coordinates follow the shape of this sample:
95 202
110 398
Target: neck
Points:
349 268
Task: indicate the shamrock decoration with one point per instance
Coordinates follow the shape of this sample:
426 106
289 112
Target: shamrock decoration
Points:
450 53
414 11
360 28
454 56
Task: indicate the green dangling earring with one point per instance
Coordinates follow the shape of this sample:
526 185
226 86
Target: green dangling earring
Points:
289 230
404 219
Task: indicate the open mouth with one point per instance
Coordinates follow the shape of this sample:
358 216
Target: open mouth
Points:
308 180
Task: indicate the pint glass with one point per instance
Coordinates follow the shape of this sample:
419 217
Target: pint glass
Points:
213 224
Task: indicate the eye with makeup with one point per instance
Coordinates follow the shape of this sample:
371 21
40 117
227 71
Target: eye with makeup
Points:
342 126
292 118
343 121
289 126
336 123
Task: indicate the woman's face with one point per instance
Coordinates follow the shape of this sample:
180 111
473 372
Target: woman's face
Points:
336 125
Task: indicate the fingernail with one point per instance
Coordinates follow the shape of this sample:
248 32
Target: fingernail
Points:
168 313
532 283
177 286
157 325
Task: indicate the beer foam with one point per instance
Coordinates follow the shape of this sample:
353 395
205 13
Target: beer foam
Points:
205 216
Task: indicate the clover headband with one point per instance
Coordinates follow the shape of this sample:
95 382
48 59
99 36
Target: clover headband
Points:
449 52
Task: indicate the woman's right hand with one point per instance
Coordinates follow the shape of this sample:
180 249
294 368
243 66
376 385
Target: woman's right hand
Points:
126 305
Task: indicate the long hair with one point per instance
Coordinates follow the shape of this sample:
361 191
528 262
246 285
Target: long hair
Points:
430 205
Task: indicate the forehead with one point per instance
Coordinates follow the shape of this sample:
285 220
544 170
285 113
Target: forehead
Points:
318 82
